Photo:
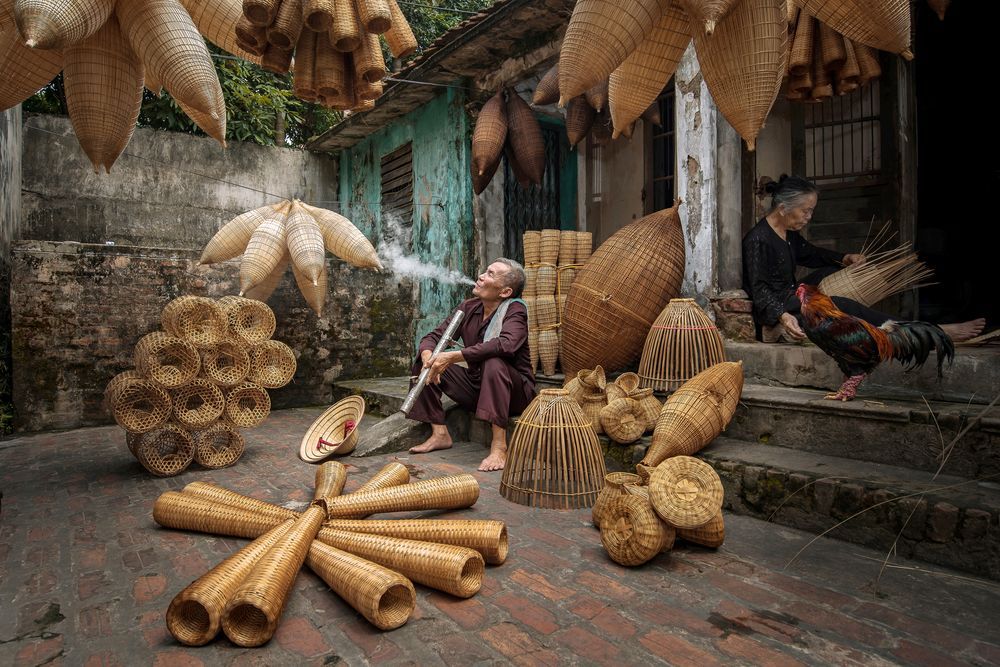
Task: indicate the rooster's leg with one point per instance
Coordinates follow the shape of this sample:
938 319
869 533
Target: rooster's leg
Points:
847 390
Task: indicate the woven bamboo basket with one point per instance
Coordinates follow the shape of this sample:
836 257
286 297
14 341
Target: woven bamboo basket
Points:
375 15
345 240
707 12
682 342
368 61
639 80
261 12
696 412
619 292
597 95
584 246
532 248
251 616
218 446
652 114
561 305
822 83
547 90
490 133
631 532
650 406
168 361
167 42
850 71
385 598
868 63
440 493
275 59
489 538
579 119
314 292
247 405
287 25
399 38
345 32
264 252
623 420
533 349
56 24
530 281
600 35
548 350
217 21
800 85
454 570
614 485
165 451
118 382
520 175
272 364
831 44
685 492
333 432
184 511
103 86
250 38
318 14
334 75
330 479
198 403
591 405
232 239
250 321
546 314
393 473
882 25
529 304
139 405
882 275
554 459
744 63
196 319
23 70
586 382
548 246
194 616
305 243
712 534
525 139
480 182
800 54
227 364
545 281
221 496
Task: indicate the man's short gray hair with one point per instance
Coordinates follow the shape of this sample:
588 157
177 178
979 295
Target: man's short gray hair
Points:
514 278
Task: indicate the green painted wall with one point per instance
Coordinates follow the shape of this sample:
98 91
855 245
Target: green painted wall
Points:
442 231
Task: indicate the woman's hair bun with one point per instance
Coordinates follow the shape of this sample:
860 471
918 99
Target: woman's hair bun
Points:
771 187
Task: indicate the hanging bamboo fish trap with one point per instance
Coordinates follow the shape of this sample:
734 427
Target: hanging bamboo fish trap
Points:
266 248
226 364
313 291
685 492
579 119
706 13
399 38
614 485
554 460
547 90
217 21
343 239
682 342
831 45
335 432
139 405
631 532
525 139
619 292
480 182
166 360
880 276
231 240
272 364
305 243
801 51
884 25
284 31
597 95
623 420
198 403
940 7
165 451
247 405
712 534
490 133
55 24
23 70
250 321
218 446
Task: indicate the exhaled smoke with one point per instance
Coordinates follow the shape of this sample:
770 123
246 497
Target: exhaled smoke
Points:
392 252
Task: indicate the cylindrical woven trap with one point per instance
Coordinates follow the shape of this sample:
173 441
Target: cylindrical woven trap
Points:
227 364
545 281
247 405
166 360
448 492
330 479
567 247
218 446
196 319
530 282
532 247
685 492
554 459
198 403
165 451
249 320
139 405
614 485
272 364
682 342
119 381
548 246
584 246
333 432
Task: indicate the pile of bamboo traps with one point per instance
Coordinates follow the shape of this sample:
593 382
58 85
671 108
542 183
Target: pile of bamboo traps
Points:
334 45
199 381
632 410
506 126
371 563
289 232
551 260
641 518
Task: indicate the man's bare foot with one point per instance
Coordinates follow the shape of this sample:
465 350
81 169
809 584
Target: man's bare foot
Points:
962 331
496 460
432 443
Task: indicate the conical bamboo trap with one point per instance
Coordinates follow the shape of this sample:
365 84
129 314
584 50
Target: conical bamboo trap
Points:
554 459
682 342
507 125
184 403
880 276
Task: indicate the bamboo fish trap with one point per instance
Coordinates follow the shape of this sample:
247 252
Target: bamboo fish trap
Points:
555 460
682 342
614 485
685 492
882 275
631 531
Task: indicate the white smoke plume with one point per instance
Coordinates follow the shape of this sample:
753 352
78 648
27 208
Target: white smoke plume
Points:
392 251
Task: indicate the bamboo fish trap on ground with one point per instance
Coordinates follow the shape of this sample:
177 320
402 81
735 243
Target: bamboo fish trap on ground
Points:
682 342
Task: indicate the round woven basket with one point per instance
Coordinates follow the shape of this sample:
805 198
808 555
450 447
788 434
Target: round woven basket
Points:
198 403
119 381
490 133
592 405
682 342
165 451
218 446
631 532
227 364
532 248
272 364
247 405
712 534
196 319
650 406
554 459
685 492
139 405
335 432
623 420
614 483
250 321
166 360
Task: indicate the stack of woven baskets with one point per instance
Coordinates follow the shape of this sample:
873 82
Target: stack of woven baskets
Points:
551 259
198 381
372 564
507 126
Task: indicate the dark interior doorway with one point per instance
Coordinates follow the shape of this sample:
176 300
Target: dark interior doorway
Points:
958 162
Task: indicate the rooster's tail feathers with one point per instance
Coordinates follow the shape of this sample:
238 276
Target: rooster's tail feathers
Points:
912 343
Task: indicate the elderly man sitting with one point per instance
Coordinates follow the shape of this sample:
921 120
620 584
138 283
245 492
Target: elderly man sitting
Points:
498 382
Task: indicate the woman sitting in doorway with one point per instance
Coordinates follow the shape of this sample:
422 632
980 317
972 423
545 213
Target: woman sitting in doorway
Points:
775 247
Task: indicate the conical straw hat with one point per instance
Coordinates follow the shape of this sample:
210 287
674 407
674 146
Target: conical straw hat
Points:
333 432
56 24
305 243
194 616
448 492
330 479
685 492
385 598
883 25
23 71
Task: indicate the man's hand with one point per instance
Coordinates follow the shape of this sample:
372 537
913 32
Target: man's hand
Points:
439 363
792 327
854 258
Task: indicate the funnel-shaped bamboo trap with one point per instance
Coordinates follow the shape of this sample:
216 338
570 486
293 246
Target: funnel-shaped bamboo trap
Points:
198 403
631 532
165 451
490 133
587 382
335 432
882 275
554 460
682 342
547 90
685 492
883 24
330 479
55 24
222 496
614 486
440 493
579 119
187 511
227 364
139 405
272 364
250 321
217 20
393 473
525 138
706 13
399 38
487 537
23 70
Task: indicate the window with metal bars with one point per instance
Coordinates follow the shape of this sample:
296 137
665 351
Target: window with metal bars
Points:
397 191
664 151
536 206
843 137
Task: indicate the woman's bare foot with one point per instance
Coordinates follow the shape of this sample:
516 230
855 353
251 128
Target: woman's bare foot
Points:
435 442
496 460
963 331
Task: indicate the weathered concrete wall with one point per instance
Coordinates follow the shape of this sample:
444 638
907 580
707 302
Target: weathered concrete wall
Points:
168 190
10 220
442 224
79 309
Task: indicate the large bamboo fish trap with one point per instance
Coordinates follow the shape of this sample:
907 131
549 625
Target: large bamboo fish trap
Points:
272 364
198 403
165 451
199 320
335 432
441 493
682 342
554 460
712 534
166 360
139 405
883 25
247 405
227 364
250 321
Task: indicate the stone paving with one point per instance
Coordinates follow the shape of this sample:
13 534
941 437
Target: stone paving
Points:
86 576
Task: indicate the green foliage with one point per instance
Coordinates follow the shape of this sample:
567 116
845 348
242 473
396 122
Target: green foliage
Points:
429 18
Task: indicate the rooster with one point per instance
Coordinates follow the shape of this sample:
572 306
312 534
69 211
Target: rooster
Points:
858 347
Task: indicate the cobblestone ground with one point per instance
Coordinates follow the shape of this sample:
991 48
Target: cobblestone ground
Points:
87 577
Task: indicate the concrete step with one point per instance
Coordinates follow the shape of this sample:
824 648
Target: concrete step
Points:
950 521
